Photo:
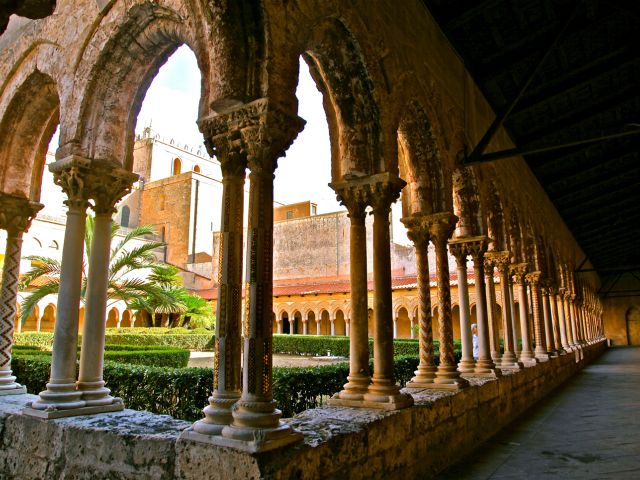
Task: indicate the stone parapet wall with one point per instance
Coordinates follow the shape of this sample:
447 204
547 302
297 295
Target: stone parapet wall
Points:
338 443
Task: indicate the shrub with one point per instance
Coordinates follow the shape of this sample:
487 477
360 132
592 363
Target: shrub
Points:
153 356
183 392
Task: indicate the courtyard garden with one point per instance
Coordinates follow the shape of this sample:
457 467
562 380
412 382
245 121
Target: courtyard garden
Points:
148 368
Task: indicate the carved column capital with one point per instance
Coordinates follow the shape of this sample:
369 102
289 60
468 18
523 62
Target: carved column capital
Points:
441 226
417 229
82 179
475 247
384 190
500 260
16 213
264 131
354 196
107 185
519 271
534 278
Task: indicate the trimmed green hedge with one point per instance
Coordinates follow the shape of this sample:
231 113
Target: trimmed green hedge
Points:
190 341
140 355
183 392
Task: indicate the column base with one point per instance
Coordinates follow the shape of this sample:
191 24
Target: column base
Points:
423 376
356 387
263 440
59 396
486 372
510 362
390 402
95 394
542 356
384 392
466 366
15 389
218 414
448 378
51 412
453 385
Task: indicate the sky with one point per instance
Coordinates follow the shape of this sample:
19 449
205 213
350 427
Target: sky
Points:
170 107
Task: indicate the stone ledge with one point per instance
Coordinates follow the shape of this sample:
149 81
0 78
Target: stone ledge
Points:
338 442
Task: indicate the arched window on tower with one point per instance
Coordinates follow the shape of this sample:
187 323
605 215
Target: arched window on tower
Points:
196 168
124 218
177 166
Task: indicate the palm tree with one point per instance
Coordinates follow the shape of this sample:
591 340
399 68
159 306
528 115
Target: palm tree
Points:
128 268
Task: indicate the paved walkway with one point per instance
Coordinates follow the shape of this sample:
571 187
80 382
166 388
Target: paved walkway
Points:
589 429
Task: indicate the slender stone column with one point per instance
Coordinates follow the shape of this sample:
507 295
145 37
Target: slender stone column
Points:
108 184
318 326
418 233
61 392
279 327
512 310
383 391
459 250
519 272
533 279
292 326
227 381
355 197
256 422
570 319
492 317
347 332
16 213
548 324
447 376
562 320
509 359
484 365
305 327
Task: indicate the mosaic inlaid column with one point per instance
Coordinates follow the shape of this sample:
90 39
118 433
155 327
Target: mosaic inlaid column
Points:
256 422
447 376
492 317
485 365
548 320
383 391
519 272
227 380
512 311
16 213
61 392
537 307
107 184
502 263
458 249
418 233
355 198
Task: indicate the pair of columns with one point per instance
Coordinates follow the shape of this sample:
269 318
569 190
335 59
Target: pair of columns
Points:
362 389
421 230
241 412
16 214
412 322
105 183
474 247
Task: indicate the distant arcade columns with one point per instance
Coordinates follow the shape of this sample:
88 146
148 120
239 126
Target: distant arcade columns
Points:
492 317
458 249
16 214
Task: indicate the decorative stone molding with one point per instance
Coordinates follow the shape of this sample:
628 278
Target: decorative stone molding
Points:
16 213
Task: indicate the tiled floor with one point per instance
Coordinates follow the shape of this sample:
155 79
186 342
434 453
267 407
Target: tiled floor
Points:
588 429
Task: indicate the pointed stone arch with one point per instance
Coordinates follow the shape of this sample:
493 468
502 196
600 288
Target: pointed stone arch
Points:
333 55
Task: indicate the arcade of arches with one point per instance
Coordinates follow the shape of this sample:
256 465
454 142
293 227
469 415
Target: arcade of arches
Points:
401 109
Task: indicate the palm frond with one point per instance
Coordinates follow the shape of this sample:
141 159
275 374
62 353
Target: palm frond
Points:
135 259
45 267
29 303
135 233
88 234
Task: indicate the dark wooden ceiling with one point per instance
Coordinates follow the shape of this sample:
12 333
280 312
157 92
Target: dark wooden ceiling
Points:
588 86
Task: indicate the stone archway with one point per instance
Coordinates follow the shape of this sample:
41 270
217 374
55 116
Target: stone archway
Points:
403 324
48 319
633 325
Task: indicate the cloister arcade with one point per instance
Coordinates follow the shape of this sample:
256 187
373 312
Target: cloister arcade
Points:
399 126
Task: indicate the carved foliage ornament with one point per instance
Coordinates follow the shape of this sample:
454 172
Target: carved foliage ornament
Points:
16 213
